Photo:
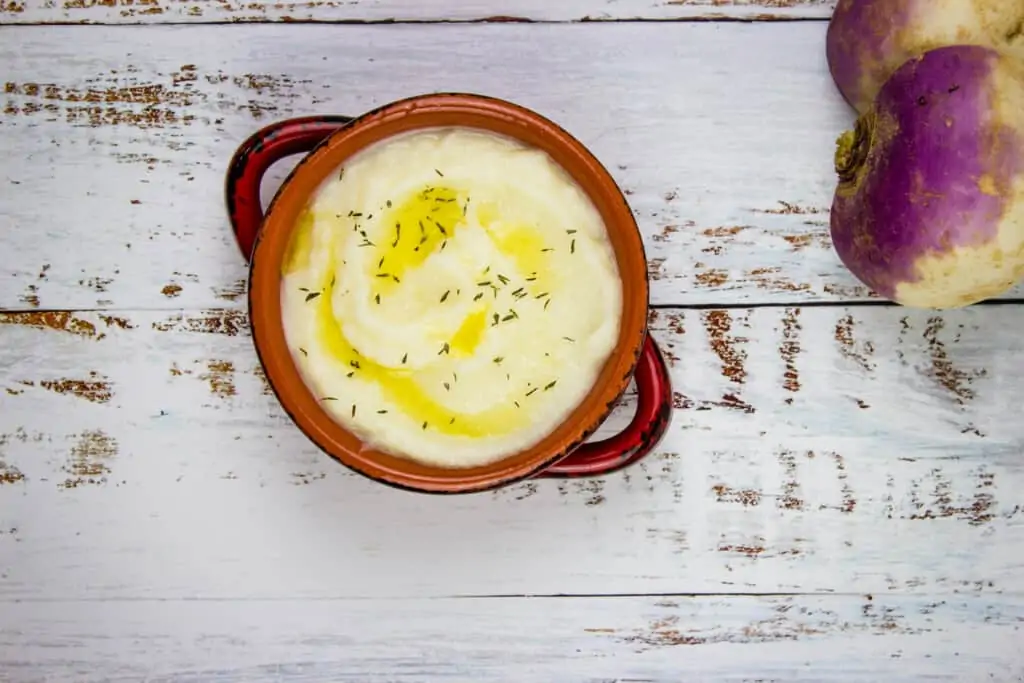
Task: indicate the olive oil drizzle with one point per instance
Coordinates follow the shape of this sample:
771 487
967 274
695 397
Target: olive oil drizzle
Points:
439 213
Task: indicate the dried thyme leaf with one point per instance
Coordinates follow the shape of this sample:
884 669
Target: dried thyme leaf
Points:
312 295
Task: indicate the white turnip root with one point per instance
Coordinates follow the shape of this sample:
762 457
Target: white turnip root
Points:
929 209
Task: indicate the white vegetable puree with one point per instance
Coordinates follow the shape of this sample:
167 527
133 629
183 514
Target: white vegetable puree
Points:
450 296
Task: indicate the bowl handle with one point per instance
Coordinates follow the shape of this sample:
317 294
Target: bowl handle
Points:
653 414
257 154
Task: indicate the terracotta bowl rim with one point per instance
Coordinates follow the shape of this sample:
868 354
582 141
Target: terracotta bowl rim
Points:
492 475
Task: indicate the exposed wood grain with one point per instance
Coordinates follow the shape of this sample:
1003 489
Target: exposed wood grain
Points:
636 640
113 167
204 11
817 449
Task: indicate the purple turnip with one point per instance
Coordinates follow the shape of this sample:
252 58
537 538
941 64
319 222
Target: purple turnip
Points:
869 39
929 209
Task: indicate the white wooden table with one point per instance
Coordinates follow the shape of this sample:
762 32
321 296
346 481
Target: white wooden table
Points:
840 496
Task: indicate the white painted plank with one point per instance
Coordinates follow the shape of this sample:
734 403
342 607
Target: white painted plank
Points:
722 134
601 640
815 449
203 11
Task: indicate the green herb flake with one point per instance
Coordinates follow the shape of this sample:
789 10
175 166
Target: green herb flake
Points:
388 203
570 232
439 173
353 410
382 412
546 302
377 299
354 363
444 297
303 351
341 173
498 359
547 250
484 283
497 318
572 247
350 375
531 392
478 296
447 387
398 235
504 280
395 278
517 403
569 339
424 425
444 349
383 274
312 295
405 358
550 385
441 228
328 398
541 295
451 421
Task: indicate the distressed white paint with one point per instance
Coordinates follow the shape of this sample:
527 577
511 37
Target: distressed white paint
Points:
161 519
196 11
813 639
894 469
709 140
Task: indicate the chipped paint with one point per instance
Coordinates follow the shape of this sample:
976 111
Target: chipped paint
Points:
849 503
221 377
54 320
88 461
790 485
229 322
719 326
745 497
716 277
789 349
772 279
9 474
305 478
63 321
233 291
729 401
122 98
656 268
792 208
115 321
859 353
95 388
261 375
956 380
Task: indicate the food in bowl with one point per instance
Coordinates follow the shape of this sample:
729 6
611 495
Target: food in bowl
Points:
450 295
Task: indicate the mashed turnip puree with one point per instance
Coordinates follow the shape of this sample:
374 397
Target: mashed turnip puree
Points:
450 296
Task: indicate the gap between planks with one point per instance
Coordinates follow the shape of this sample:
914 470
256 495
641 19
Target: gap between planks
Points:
733 306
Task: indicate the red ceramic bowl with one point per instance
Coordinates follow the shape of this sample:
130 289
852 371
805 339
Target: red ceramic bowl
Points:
329 141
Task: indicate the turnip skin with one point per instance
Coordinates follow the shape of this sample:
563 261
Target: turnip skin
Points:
929 209
867 40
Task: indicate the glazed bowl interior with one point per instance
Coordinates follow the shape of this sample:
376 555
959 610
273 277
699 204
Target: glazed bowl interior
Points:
441 111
